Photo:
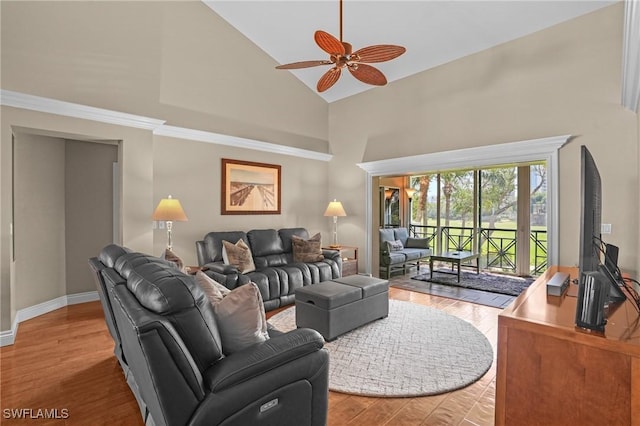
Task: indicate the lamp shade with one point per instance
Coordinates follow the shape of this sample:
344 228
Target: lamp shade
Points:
410 192
169 209
335 209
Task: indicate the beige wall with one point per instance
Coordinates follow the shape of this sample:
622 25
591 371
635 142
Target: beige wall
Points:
136 178
7 297
39 220
63 210
563 80
176 61
88 208
191 172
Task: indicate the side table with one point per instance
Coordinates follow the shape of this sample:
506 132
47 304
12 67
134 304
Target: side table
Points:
349 255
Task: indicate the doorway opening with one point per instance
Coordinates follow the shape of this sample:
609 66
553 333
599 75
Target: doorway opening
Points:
66 204
498 212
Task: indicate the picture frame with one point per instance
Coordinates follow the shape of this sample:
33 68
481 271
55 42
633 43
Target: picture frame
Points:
250 188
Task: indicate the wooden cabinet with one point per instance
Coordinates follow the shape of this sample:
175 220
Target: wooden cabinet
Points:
349 255
551 372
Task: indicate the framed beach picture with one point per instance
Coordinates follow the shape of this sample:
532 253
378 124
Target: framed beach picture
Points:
250 188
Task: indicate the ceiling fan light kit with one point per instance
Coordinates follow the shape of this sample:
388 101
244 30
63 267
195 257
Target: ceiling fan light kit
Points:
341 56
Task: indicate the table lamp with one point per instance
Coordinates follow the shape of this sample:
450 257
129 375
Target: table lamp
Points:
169 210
335 209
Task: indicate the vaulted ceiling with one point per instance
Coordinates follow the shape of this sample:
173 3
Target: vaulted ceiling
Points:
434 32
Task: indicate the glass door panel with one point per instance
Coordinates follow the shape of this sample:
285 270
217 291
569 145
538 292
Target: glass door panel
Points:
457 211
498 218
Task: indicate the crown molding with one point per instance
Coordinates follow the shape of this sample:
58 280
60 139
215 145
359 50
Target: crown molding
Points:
631 56
491 155
238 142
68 109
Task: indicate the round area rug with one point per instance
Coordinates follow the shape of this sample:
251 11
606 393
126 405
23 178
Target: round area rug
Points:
417 350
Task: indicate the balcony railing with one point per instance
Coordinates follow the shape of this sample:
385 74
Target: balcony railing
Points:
539 251
497 246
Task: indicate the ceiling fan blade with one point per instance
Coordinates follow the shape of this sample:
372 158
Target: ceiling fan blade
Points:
303 64
368 74
378 53
329 43
328 79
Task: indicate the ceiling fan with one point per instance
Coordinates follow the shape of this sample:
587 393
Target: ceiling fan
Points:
341 56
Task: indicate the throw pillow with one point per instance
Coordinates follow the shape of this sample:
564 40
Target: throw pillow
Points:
213 289
307 250
394 245
172 257
241 318
422 243
238 255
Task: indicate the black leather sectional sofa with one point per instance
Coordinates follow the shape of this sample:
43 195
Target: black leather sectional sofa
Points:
168 343
276 274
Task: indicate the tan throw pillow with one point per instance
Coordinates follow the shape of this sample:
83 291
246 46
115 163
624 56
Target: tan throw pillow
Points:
172 257
241 318
307 250
213 289
238 255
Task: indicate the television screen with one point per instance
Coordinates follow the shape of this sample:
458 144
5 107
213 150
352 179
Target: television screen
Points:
590 217
598 284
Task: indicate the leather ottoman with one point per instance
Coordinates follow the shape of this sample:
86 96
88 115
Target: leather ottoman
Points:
341 305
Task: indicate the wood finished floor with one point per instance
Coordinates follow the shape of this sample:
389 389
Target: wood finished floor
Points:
64 360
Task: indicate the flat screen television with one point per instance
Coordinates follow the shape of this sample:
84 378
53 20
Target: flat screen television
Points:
598 284
591 213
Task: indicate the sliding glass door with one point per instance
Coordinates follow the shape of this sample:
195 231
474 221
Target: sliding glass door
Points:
499 212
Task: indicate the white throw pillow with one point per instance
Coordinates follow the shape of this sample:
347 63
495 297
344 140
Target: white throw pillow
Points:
241 318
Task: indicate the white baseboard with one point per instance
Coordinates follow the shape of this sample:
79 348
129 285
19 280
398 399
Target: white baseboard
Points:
7 337
88 296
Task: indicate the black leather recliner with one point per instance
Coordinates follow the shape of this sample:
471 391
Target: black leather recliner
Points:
174 361
276 274
107 259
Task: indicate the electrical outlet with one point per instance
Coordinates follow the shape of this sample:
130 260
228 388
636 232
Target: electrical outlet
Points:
605 228
161 224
